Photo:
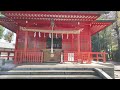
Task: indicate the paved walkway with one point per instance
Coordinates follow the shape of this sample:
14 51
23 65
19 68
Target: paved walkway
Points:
65 65
94 64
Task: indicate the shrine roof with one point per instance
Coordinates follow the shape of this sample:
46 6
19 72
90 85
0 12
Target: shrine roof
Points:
63 19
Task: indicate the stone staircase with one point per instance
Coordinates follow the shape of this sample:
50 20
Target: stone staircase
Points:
49 73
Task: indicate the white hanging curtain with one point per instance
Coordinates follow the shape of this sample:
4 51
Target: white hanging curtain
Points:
34 34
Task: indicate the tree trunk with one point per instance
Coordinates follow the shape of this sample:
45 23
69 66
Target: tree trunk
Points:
118 37
117 31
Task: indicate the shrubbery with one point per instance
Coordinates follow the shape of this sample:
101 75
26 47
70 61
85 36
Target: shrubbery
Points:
116 55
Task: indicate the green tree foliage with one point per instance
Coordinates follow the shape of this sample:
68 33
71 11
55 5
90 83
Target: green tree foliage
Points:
95 43
9 36
117 29
1 31
109 39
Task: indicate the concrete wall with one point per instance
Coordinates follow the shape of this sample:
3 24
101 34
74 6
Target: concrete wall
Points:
109 71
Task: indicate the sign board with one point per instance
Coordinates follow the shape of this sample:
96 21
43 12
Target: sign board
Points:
70 56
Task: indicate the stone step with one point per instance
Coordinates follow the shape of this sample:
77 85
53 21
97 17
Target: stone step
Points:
48 72
49 77
52 68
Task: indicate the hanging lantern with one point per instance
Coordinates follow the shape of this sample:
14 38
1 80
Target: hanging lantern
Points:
39 34
34 34
67 35
62 36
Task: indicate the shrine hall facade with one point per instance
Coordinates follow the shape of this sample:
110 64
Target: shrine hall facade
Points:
54 36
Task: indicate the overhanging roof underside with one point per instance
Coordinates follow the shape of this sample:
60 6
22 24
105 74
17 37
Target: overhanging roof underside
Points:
68 20
100 25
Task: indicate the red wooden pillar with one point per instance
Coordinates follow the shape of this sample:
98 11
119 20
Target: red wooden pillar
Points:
35 41
72 43
78 38
97 57
45 43
90 43
104 57
26 40
26 44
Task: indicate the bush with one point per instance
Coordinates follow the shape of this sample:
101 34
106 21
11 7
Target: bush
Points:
116 56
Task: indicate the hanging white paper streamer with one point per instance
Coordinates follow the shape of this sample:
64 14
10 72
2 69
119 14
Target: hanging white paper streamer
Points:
67 36
56 35
62 36
44 34
35 34
49 35
39 34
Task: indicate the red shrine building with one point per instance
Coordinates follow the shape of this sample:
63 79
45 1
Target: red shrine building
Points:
54 36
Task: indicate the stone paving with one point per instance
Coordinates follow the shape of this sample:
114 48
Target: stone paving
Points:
116 69
10 65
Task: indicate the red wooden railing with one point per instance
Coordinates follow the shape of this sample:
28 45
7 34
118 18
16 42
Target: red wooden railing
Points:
86 57
99 56
89 56
28 57
37 57
8 56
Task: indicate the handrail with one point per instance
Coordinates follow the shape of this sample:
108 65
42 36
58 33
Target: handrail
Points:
88 56
6 56
28 56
